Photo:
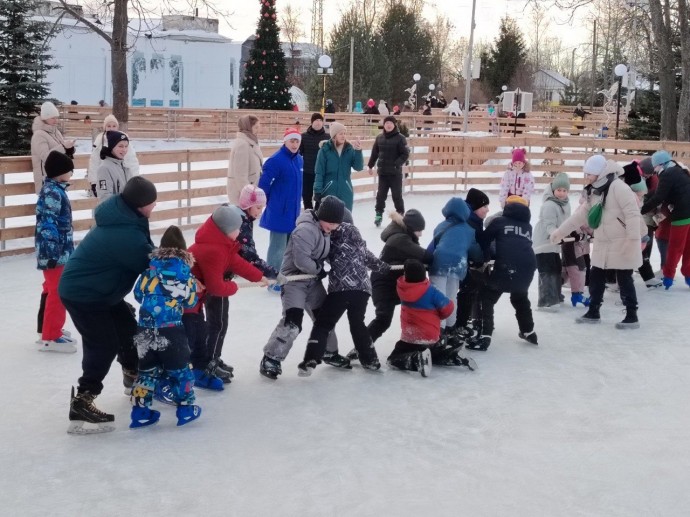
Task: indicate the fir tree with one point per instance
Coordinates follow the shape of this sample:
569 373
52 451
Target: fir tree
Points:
647 123
501 64
23 65
265 85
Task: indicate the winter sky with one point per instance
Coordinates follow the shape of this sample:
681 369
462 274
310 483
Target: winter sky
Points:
459 12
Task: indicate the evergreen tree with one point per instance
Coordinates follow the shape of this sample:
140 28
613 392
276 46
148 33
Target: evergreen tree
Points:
647 125
23 65
265 85
504 59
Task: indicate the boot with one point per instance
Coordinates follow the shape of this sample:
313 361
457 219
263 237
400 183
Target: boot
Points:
529 336
186 414
630 321
205 380
591 316
82 410
453 339
353 355
480 343
337 360
305 368
576 298
223 366
214 370
270 368
372 364
143 416
378 219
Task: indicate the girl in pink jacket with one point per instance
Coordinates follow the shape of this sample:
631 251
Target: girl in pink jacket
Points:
517 180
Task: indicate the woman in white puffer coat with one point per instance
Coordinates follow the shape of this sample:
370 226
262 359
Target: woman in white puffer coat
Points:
130 162
617 239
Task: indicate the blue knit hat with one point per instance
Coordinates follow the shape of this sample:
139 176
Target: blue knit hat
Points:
661 158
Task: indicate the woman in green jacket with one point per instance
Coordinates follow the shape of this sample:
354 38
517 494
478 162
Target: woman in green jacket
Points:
334 163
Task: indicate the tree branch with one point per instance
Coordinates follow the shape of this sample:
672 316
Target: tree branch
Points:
65 7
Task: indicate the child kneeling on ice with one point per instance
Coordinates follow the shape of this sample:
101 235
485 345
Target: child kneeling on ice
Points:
164 290
423 308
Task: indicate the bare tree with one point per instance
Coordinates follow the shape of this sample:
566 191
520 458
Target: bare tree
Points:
116 11
292 29
683 122
442 37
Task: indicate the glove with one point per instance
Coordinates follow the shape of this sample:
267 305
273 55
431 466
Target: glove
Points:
317 201
52 264
228 276
576 235
555 237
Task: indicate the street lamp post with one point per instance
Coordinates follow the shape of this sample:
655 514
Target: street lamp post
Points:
416 78
324 70
620 71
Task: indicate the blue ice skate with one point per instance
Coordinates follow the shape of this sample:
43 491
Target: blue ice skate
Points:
186 414
164 392
203 379
143 416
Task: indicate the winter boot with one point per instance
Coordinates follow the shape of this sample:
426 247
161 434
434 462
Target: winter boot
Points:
60 345
205 380
337 360
576 298
143 416
353 355
591 316
479 343
422 362
630 321
529 336
187 413
668 282
306 368
270 368
82 410
378 219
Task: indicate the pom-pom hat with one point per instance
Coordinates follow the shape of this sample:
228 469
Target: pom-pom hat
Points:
250 196
292 133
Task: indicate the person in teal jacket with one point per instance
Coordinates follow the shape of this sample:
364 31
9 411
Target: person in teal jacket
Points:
334 163
97 277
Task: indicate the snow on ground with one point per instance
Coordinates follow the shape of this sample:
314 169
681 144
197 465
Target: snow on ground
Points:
592 422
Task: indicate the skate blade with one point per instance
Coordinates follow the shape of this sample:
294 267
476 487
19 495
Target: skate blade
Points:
469 363
627 326
77 427
425 370
587 321
304 373
69 349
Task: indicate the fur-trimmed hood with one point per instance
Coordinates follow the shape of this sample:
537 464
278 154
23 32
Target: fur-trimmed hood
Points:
171 253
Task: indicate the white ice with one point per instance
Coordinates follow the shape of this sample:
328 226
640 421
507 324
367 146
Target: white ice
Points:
593 422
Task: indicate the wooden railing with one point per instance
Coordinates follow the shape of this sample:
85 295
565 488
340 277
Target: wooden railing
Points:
191 183
221 125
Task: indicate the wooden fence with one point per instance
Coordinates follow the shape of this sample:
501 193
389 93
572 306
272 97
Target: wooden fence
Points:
221 125
191 183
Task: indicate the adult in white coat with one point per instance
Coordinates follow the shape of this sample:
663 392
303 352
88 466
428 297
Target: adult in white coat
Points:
46 137
246 159
453 108
617 238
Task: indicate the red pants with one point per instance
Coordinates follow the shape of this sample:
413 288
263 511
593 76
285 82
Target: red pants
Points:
55 314
678 246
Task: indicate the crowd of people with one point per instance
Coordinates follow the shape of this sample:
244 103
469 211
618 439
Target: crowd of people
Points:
303 196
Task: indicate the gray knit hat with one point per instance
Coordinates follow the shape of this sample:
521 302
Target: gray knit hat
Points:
560 181
227 220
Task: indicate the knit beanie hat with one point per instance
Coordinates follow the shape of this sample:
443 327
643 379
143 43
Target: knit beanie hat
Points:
476 198
594 165
347 217
331 210
57 164
316 116
292 133
139 192
251 196
414 271
414 220
390 118
110 119
517 199
112 138
647 167
560 181
661 158
173 238
48 110
227 220
519 155
336 128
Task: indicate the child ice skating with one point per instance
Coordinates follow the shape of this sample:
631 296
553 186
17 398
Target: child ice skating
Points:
517 180
164 290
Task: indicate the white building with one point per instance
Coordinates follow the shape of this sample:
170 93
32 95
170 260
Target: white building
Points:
178 61
550 86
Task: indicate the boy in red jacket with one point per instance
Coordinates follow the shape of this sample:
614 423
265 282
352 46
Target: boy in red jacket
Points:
423 308
216 252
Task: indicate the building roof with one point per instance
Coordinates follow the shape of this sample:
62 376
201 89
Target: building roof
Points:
556 76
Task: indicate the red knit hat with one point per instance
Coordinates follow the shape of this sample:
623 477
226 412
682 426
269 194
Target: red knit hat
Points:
292 133
519 155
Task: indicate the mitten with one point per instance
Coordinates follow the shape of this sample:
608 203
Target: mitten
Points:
52 264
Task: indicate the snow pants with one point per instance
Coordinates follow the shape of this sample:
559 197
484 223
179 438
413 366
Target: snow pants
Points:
448 285
196 329
107 332
336 304
624 278
394 183
385 298
217 312
54 313
519 301
468 297
678 247
297 297
550 279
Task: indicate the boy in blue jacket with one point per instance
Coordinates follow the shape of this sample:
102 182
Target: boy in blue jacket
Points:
513 271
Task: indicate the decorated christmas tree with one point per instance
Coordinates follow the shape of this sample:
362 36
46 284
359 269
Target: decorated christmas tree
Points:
265 85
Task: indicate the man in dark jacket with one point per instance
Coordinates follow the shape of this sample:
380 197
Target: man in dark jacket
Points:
514 267
309 149
673 190
93 286
389 154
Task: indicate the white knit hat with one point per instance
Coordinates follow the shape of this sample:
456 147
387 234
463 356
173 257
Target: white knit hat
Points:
595 165
110 118
48 110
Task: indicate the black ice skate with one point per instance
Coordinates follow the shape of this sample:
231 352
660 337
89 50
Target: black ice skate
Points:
481 343
529 336
270 368
422 362
630 321
306 368
82 411
591 316
353 355
225 367
337 360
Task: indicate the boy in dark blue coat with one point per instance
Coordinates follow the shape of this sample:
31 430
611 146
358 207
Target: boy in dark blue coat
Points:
513 271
